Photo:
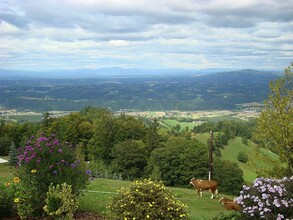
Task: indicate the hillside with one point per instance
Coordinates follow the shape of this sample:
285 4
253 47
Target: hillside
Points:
98 194
255 156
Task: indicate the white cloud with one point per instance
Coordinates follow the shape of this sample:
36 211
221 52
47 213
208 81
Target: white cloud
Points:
146 34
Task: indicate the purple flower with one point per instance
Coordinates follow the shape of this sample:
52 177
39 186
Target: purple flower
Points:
60 150
88 172
73 165
54 172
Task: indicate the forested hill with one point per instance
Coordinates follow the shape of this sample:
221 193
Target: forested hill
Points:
166 91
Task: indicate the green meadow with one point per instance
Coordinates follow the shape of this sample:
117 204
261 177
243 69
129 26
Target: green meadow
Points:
255 156
172 123
98 194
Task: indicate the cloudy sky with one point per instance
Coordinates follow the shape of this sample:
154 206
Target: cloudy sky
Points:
188 34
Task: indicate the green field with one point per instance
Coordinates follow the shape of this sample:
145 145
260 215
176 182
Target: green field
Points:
98 195
235 146
172 123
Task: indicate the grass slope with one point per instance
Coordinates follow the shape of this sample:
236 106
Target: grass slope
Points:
98 194
235 146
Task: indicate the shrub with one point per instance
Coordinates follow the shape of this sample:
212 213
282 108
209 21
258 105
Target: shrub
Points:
60 202
267 199
146 200
44 161
242 157
6 200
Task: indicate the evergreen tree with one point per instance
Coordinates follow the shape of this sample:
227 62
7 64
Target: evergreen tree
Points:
12 155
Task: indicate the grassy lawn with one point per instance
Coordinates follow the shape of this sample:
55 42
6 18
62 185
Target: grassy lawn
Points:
98 195
6 173
99 192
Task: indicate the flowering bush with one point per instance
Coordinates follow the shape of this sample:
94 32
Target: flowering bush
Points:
267 199
44 161
146 200
60 202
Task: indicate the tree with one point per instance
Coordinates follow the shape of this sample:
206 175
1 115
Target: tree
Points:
129 159
229 176
275 123
179 160
242 157
152 137
13 155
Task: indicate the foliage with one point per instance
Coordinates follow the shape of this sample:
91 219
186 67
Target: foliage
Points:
179 161
228 175
108 131
18 133
242 157
61 203
129 159
146 200
275 124
267 199
13 155
43 161
6 200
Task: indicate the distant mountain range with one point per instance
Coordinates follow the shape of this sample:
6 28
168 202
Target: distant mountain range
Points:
111 72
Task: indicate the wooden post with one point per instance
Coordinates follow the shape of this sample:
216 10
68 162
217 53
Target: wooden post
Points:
211 155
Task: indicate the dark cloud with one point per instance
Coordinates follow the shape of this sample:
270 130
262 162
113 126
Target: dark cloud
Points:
9 16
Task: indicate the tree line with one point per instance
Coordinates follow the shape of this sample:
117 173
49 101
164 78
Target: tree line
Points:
126 147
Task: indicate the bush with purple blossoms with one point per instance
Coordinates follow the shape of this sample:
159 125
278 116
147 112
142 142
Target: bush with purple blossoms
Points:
267 199
42 162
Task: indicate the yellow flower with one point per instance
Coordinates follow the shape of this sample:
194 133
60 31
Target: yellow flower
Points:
16 180
33 171
7 184
148 216
16 200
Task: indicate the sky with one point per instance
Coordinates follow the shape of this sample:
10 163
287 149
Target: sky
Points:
45 35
